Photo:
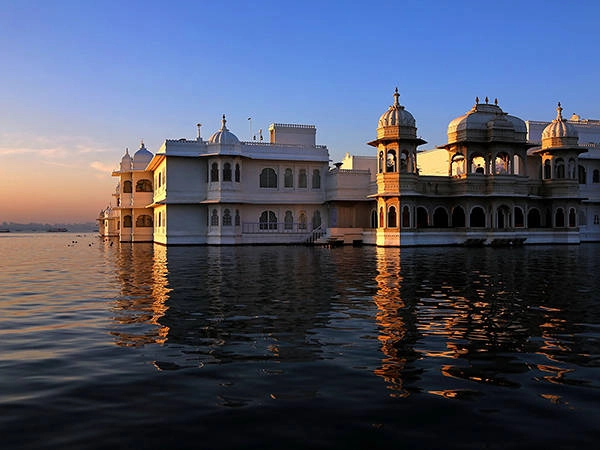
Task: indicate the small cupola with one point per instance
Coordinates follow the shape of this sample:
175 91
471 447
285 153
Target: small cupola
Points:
141 158
559 132
223 136
396 122
126 161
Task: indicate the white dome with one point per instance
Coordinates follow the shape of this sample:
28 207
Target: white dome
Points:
126 162
141 158
396 115
486 122
223 136
559 127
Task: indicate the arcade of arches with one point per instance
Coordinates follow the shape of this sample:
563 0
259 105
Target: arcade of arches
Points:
478 216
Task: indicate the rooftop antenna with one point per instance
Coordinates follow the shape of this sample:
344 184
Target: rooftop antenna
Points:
250 120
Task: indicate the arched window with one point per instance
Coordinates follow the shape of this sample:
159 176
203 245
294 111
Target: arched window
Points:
268 178
159 179
268 221
127 187
572 218
143 221
572 174
519 218
127 223
316 219
406 217
214 172
237 173
316 179
391 217
381 222
581 175
390 161
160 218
226 218
502 164
403 161
288 220
237 217
422 217
559 218
559 168
478 164
458 217
458 164
440 218
143 186
596 176
226 173
373 218
547 170
302 221
534 219
477 217
214 218
302 178
380 162
288 178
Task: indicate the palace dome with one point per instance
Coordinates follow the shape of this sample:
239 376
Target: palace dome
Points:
223 136
559 132
486 122
141 158
396 115
126 161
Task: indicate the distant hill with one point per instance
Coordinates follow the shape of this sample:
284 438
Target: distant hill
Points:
35 227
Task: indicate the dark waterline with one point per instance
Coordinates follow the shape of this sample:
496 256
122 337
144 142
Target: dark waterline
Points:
108 345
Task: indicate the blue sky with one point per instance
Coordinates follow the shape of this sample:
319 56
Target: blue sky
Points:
83 80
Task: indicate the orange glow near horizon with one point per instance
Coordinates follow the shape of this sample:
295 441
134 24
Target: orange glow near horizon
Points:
53 194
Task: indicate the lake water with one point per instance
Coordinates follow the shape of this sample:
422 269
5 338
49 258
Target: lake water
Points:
108 345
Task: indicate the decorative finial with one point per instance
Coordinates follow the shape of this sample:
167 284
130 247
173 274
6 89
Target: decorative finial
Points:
496 101
486 100
223 122
477 100
396 96
559 112
142 143
199 135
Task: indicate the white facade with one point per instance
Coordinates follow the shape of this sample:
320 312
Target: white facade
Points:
223 191
496 181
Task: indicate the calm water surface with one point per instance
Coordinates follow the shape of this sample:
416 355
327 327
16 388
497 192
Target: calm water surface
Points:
108 345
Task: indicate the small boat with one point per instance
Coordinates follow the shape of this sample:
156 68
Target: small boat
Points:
57 230
4 230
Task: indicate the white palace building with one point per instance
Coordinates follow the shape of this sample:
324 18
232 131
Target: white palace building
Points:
497 181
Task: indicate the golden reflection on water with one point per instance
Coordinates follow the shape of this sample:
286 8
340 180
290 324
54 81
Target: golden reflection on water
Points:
392 326
142 272
467 316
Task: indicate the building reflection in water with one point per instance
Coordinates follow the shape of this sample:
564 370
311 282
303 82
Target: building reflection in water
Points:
224 304
142 273
448 321
396 322
466 315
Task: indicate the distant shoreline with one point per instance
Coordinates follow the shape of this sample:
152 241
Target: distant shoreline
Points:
12 227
